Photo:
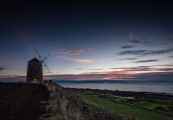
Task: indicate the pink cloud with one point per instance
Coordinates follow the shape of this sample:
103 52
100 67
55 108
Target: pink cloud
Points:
113 76
77 60
25 59
71 52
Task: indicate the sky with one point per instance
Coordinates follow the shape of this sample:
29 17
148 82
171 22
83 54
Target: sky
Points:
88 39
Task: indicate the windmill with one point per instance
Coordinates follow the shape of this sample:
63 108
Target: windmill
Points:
34 70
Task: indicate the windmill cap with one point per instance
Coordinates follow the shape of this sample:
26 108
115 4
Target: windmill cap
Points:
34 60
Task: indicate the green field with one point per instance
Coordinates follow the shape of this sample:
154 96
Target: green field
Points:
117 106
164 106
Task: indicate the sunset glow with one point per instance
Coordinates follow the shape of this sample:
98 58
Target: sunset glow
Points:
90 41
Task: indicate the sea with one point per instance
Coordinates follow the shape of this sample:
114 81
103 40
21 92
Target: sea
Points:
139 87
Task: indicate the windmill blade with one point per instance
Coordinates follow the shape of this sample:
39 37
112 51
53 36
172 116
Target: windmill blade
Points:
42 59
37 53
46 66
45 57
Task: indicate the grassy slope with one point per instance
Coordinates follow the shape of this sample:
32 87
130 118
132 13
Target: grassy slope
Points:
124 109
165 106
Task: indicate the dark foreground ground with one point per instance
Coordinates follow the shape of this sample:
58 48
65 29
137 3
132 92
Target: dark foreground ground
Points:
49 101
21 101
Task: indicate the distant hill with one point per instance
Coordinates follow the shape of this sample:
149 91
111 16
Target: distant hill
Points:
113 81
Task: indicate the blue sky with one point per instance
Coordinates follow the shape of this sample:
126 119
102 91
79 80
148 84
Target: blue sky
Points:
105 40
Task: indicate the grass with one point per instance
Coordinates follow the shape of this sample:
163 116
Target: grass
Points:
121 108
148 105
158 105
165 106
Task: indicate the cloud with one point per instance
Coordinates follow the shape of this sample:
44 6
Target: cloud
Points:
146 61
66 54
144 69
131 68
109 75
88 69
171 56
145 41
166 65
166 69
24 59
81 60
134 69
116 75
128 59
96 69
127 46
71 52
12 78
162 74
157 42
146 52
89 76
2 69
76 59
135 41
154 43
79 69
133 52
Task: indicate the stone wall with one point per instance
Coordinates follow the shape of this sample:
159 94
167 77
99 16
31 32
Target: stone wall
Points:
64 104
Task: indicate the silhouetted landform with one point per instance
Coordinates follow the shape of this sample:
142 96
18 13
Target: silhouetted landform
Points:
50 101
64 104
19 101
72 104
112 81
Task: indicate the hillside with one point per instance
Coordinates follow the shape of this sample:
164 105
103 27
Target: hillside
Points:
49 101
19 101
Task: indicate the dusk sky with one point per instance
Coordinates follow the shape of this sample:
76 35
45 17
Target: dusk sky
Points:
88 40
